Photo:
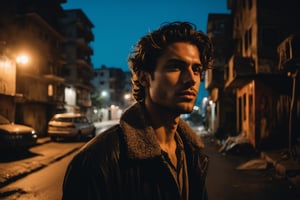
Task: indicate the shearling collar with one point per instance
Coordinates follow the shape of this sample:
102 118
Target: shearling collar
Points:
140 137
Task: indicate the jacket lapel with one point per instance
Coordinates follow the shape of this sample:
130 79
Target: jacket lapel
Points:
140 138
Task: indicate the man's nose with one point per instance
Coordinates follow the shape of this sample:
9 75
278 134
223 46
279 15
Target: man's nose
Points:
188 76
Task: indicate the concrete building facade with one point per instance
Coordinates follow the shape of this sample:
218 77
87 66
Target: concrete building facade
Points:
34 63
256 90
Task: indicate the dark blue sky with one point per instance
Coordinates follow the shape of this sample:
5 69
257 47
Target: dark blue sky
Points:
120 23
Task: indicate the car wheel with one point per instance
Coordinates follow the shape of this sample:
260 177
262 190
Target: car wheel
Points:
53 138
93 133
78 136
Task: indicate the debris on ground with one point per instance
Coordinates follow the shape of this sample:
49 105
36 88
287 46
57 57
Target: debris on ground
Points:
254 164
237 145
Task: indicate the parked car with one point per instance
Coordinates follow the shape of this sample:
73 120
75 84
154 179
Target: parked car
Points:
70 126
16 136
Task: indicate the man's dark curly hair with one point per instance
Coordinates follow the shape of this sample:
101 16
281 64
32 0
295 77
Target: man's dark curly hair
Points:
150 47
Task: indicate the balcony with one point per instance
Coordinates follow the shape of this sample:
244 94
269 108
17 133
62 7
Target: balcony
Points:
244 66
289 53
54 78
239 67
83 63
81 42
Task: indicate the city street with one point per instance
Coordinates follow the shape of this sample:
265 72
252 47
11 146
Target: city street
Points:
66 65
224 181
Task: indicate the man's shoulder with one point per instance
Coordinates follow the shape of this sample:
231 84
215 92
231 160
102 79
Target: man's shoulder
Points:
102 150
107 141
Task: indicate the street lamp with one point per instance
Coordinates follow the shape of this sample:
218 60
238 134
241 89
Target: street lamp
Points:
104 94
22 59
127 97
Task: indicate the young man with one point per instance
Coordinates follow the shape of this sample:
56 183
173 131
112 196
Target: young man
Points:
151 153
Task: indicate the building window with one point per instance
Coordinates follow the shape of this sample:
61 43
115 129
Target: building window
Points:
248 38
50 90
244 107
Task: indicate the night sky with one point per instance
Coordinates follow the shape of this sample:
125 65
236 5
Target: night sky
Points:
120 23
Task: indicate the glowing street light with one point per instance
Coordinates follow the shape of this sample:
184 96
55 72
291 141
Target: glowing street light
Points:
22 59
104 94
127 97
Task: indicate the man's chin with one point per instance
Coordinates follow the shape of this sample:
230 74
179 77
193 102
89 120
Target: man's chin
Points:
185 109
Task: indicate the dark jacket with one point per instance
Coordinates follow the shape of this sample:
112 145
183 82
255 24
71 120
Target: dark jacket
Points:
125 162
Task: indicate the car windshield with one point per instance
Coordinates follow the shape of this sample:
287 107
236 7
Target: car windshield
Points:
3 120
81 120
63 119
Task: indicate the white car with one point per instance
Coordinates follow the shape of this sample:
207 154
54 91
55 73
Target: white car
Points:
70 125
16 136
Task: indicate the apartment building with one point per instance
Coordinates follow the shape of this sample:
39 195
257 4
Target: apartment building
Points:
78 70
40 61
219 30
31 57
259 91
112 92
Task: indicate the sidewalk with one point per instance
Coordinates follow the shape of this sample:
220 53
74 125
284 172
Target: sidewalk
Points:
285 164
13 170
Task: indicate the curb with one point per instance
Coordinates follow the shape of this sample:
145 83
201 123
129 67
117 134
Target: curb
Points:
289 168
26 169
43 140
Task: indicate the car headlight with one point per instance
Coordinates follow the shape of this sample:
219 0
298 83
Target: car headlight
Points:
34 135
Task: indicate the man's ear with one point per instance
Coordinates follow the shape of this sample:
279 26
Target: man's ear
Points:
144 78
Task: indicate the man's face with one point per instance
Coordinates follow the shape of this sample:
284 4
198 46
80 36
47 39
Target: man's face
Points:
176 78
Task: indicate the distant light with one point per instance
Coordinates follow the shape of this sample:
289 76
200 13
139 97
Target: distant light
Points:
127 96
22 59
104 94
50 90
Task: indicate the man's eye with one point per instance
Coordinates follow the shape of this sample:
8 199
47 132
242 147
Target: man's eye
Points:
198 69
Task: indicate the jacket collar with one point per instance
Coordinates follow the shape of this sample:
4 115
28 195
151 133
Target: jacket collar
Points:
140 137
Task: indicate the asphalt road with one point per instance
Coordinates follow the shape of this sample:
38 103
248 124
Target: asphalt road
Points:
225 182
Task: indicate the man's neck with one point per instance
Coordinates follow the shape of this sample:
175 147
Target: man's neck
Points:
163 122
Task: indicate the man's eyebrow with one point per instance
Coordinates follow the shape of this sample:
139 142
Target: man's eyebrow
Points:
176 60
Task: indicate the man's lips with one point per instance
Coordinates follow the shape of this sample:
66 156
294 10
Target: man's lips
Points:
190 92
